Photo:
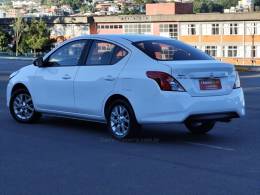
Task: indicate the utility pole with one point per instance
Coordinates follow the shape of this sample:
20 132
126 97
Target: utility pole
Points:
253 44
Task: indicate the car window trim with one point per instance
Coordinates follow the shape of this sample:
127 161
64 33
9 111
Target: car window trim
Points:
115 50
85 52
80 58
101 40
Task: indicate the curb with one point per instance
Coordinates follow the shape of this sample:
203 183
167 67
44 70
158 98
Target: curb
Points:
4 73
16 58
248 68
4 77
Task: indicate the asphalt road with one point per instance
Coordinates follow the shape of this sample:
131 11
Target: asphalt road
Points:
63 156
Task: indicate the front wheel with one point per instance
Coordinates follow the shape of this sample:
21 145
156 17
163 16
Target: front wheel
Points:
22 107
121 120
200 127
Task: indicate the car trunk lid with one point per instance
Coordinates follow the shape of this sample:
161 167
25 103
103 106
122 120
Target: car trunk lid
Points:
203 77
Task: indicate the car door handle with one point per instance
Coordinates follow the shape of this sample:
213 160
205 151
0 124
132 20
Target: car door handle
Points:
66 77
109 78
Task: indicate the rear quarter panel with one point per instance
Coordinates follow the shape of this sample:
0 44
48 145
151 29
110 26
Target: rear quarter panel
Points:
133 83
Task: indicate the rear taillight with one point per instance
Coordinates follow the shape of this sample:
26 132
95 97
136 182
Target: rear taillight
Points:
237 81
165 81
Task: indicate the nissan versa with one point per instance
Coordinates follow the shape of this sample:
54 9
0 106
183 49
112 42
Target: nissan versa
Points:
127 81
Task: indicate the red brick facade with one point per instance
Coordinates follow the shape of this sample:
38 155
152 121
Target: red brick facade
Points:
169 8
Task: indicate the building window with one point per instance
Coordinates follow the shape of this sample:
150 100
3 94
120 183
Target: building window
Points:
211 50
233 29
192 29
232 51
252 28
136 28
215 29
171 29
107 26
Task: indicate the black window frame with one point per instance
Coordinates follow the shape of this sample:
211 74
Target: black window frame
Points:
211 50
232 51
215 29
233 28
192 29
81 58
91 41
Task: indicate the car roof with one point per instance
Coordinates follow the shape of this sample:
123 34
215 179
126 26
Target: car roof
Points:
129 37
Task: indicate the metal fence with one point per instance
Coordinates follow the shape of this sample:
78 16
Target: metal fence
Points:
29 55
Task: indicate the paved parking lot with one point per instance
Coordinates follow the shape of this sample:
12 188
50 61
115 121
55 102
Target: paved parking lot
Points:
63 156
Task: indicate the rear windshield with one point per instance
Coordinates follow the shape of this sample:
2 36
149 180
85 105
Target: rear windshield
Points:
170 50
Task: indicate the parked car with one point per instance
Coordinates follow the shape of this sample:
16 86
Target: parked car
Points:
127 81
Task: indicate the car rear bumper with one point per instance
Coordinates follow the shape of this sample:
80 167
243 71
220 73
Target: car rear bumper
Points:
222 116
171 107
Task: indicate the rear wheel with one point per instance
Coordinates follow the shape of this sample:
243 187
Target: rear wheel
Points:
199 127
22 107
121 120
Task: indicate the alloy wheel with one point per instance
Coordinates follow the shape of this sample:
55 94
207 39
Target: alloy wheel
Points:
23 106
120 120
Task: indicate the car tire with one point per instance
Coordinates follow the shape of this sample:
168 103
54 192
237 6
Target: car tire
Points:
121 120
22 108
199 127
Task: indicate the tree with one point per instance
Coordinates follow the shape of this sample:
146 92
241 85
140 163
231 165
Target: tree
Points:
75 4
87 8
214 7
204 7
50 2
8 3
227 4
256 2
141 6
3 40
19 28
196 6
141 2
208 6
37 36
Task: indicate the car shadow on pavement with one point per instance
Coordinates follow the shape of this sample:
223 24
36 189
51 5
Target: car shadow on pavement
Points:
74 125
163 134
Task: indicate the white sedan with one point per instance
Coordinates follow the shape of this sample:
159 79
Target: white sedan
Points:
127 81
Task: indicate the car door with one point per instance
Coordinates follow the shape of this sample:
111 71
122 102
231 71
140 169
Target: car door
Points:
54 81
96 79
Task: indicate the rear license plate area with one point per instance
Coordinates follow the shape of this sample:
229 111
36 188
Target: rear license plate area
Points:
210 84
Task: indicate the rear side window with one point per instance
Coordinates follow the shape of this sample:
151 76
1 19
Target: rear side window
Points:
170 50
119 54
105 53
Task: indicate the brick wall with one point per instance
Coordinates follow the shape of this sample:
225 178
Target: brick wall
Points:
169 8
183 8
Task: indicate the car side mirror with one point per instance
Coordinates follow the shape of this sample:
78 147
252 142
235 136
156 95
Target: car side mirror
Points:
38 62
